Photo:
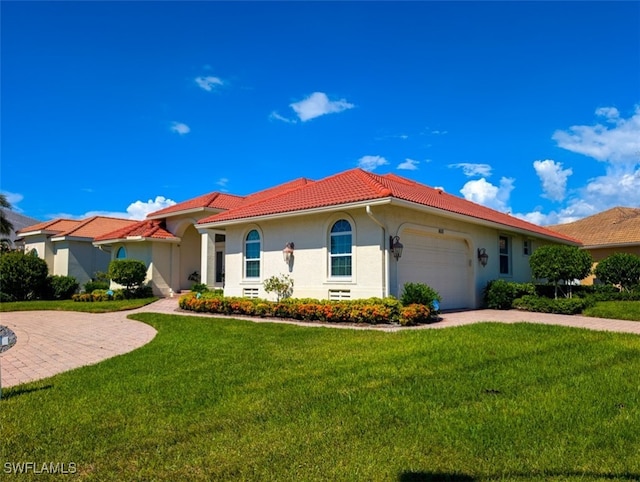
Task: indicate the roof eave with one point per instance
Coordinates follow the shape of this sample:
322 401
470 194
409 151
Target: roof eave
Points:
480 221
611 245
135 239
183 212
71 238
301 212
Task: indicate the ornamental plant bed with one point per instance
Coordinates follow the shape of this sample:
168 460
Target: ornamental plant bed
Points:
373 311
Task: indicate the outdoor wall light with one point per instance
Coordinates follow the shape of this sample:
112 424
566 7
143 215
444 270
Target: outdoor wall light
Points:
395 246
483 257
287 252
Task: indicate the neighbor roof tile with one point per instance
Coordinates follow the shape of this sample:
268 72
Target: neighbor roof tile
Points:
619 225
149 228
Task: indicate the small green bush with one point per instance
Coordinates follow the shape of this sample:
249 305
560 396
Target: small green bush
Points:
621 269
564 306
281 285
89 286
499 294
199 287
421 294
61 287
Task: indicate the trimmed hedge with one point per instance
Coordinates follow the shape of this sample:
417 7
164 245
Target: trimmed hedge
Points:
372 310
500 294
563 306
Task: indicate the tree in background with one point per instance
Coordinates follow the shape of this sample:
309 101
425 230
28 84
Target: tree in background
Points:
556 263
620 269
6 227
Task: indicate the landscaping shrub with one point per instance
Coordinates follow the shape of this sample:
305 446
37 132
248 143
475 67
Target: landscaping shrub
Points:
499 294
89 286
371 310
129 273
621 269
421 294
23 276
199 287
557 263
61 287
564 306
281 285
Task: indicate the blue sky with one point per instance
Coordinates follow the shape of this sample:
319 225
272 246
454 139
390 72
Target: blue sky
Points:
121 108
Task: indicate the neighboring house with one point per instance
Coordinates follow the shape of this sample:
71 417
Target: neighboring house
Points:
339 238
614 231
18 221
67 245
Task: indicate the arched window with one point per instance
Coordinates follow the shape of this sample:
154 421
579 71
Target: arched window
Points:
252 254
121 253
340 248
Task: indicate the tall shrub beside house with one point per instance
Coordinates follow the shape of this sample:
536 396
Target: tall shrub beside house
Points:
620 269
22 276
130 273
560 263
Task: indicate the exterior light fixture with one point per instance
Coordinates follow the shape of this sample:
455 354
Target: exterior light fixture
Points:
483 257
395 246
287 252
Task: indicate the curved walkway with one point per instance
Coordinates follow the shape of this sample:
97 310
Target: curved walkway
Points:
51 342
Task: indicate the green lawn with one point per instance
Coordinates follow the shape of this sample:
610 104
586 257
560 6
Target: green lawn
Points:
210 399
70 305
619 310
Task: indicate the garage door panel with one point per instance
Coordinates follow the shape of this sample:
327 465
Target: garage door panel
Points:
440 262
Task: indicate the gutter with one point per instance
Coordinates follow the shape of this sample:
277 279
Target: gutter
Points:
385 230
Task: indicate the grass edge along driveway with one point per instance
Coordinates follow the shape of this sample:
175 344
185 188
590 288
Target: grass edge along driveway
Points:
212 399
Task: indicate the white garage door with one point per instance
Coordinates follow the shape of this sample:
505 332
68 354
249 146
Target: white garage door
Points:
442 262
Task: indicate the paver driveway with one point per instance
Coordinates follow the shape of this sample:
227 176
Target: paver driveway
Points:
50 342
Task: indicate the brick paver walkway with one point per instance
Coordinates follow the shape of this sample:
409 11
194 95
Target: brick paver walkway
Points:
50 342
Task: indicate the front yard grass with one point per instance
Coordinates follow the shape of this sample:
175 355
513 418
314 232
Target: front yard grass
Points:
213 399
70 305
619 310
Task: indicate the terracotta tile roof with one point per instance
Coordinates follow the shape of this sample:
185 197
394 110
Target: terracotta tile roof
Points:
149 228
54 226
619 225
357 185
96 226
213 200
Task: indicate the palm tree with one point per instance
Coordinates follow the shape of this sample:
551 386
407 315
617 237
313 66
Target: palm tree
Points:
6 226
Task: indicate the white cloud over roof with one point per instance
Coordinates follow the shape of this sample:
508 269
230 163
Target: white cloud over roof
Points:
370 163
553 178
318 104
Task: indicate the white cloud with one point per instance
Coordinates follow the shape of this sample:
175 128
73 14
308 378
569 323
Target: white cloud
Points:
553 178
180 128
140 209
136 210
409 164
276 116
208 83
470 169
318 104
370 163
482 192
618 142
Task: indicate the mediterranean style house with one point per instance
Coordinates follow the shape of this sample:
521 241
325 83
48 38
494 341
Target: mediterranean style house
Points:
616 230
351 235
67 245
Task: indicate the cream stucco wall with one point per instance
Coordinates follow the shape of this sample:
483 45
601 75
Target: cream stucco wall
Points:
43 247
310 266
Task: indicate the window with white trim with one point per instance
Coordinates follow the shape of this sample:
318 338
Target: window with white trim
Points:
340 249
252 254
505 254
526 247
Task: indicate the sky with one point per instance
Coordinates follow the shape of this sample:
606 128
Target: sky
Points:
123 108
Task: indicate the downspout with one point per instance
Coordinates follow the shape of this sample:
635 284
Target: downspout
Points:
384 248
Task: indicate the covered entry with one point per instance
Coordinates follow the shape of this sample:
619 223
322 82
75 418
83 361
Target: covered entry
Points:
439 260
